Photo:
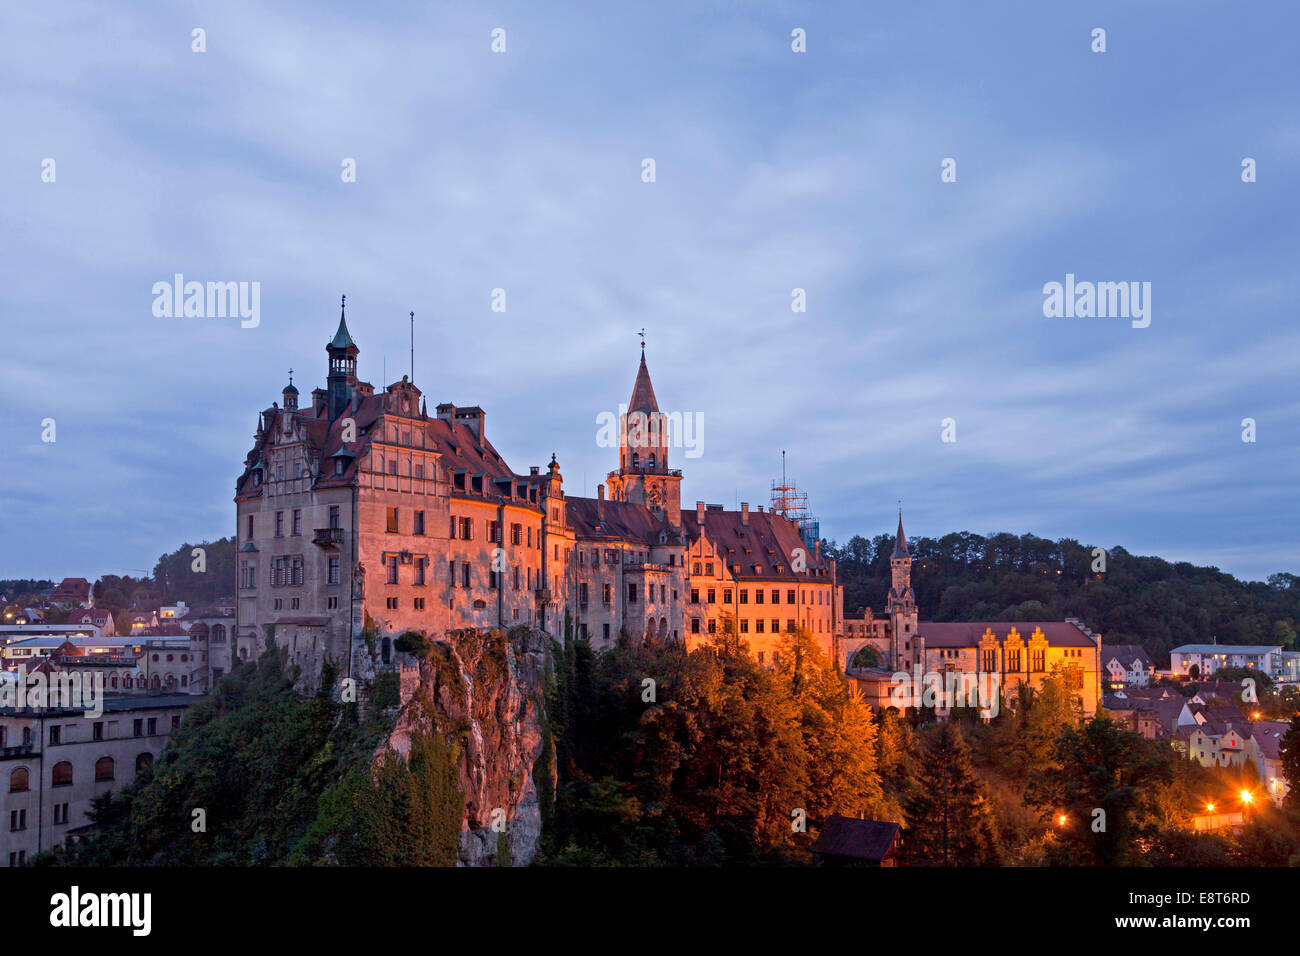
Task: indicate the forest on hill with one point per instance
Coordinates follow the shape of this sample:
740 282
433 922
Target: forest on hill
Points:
1135 600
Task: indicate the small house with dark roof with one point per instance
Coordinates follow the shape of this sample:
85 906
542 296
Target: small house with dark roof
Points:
849 841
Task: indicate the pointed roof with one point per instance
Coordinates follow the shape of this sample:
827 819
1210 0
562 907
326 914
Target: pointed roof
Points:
342 339
643 393
900 543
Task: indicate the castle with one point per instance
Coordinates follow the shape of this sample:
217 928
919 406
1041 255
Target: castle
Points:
360 511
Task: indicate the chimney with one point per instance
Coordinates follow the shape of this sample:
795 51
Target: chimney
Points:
534 469
744 512
600 491
699 511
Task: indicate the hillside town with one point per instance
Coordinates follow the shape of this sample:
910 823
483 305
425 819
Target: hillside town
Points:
363 520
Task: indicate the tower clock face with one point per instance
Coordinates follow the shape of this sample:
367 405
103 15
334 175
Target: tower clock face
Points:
655 496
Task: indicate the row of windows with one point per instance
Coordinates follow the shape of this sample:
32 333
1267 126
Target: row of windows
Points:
61 776
287 571
792 596
294 523
760 626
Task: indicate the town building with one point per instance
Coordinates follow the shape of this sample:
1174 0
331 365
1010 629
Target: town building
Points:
55 762
1127 665
938 665
1208 659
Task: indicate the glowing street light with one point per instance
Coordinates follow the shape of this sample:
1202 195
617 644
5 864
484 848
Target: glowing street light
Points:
1060 821
1247 797
1209 807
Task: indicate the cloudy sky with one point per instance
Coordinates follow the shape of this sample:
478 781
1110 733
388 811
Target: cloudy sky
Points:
775 170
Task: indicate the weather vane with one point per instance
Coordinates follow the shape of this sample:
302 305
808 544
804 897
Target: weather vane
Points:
642 334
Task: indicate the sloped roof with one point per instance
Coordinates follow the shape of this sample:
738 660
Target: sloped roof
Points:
643 393
1268 736
622 520
942 634
765 540
858 839
1126 654
900 540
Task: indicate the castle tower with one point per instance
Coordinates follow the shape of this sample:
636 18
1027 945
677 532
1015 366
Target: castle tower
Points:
342 377
901 604
643 475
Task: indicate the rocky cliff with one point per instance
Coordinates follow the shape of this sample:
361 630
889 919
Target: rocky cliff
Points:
486 694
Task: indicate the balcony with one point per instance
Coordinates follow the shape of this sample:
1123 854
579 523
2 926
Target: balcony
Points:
328 537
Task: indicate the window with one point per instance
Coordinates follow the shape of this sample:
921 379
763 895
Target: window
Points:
1013 660
758 595
297 521
97 730
744 595
391 563
776 596
338 466
988 659
712 594
726 595
606 592
419 604
790 625
104 768
392 467
789 597
62 775
333 577
776 626
247 575
419 571
55 733
744 625
249 524
467 529
17 819
713 626
334 517
18 782
1037 659
708 568
451 531
516 534
60 813
153 725
138 726
758 626
631 594
392 521
464 574
695 595
695 625
418 527
279 524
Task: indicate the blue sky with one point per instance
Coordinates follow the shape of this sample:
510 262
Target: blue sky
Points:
775 170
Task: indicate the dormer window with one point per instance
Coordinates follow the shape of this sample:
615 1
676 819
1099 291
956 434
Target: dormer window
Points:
338 466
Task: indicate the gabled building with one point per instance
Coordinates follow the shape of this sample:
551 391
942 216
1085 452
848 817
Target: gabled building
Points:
1127 665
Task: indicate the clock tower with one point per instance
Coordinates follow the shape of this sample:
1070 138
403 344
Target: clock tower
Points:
643 475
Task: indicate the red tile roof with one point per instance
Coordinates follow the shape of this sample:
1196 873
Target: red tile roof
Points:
943 634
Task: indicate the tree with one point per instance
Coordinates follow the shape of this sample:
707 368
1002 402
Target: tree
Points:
949 821
1289 751
1097 767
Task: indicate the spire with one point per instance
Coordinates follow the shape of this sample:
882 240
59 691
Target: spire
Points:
900 543
342 339
643 393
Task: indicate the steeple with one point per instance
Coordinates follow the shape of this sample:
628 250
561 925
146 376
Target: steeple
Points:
900 542
643 393
342 351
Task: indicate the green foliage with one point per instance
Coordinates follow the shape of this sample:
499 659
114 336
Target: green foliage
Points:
1138 600
386 690
174 577
412 642
254 756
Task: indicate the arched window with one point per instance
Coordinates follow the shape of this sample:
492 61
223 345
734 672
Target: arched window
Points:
157 682
112 682
18 780
104 768
651 461
636 459
62 774
386 650
218 634
142 761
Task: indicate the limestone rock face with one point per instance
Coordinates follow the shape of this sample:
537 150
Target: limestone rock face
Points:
488 696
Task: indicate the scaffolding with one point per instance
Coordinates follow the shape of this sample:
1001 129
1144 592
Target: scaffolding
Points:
790 502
